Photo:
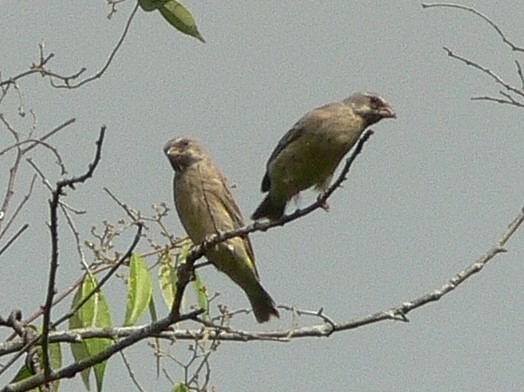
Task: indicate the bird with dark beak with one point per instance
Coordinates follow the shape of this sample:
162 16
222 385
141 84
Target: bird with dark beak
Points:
310 152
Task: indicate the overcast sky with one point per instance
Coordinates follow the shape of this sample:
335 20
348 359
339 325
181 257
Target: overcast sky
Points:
432 191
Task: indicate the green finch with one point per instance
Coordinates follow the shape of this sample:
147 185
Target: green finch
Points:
205 207
309 153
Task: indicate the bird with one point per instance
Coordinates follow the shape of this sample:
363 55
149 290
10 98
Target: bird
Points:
311 150
206 207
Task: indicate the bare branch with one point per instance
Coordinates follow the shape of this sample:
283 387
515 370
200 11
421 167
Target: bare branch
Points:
510 100
19 208
35 142
49 134
124 206
113 4
53 226
13 171
224 333
131 373
519 72
481 15
485 70
98 75
61 81
13 238
48 185
20 152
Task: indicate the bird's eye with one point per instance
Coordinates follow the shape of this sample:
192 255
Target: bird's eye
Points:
375 101
184 143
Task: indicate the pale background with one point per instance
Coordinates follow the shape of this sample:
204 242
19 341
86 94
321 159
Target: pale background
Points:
433 190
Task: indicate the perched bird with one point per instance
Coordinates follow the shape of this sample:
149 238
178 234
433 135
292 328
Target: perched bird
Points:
309 153
205 207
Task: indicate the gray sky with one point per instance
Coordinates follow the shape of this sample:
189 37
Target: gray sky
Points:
433 190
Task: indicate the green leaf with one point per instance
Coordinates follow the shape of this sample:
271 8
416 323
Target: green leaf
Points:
202 296
180 18
22 374
184 252
140 290
167 278
94 313
151 5
180 388
55 359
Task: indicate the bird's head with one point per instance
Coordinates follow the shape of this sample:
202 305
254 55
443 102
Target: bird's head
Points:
182 152
371 107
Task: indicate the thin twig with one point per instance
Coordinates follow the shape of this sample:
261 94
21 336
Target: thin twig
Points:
511 89
13 171
481 15
131 373
19 208
112 55
53 226
110 273
487 71
13 238
48 185
49 134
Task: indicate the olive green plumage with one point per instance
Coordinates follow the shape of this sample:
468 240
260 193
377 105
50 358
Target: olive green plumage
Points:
205 207
309 153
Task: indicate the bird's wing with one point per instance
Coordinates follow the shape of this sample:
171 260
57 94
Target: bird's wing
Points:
311 120
226 203
308 122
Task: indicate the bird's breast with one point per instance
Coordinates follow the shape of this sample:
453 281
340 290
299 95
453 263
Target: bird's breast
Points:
190 202
310 159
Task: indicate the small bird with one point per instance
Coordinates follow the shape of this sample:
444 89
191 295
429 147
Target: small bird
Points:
309 153
205 207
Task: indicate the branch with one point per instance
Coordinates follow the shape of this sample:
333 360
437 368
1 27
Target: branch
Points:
111 272
39 69
518 91
481 15
66 81
14 237
12 171
20 152
132 335
76 367
54 204
49 134
487 71
18 208
112 55
221 333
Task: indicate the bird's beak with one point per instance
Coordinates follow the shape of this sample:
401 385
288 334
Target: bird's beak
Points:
387 112
171 151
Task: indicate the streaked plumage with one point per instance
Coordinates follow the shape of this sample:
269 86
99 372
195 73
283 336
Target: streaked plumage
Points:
205 207
309 153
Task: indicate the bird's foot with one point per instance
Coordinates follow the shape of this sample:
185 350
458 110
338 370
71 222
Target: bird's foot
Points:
323 203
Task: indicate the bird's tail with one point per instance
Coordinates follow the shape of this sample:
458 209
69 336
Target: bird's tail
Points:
262 303
269 209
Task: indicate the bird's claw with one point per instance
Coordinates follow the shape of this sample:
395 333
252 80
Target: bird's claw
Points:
323 203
